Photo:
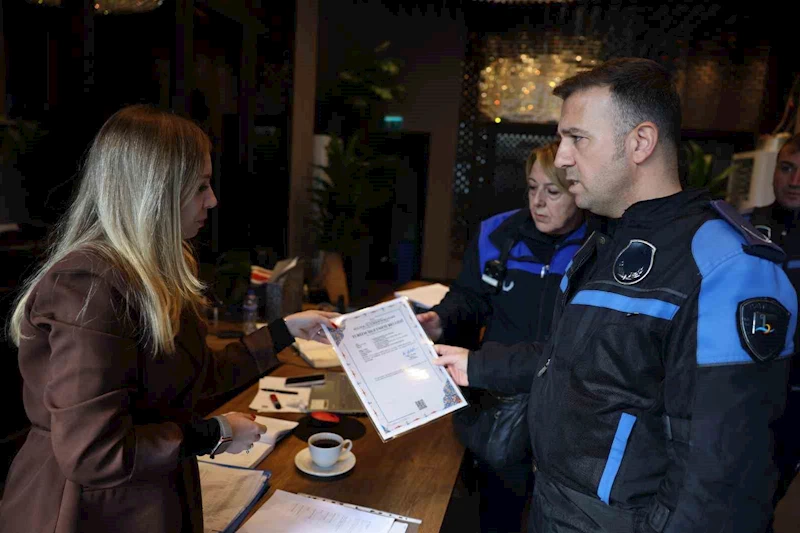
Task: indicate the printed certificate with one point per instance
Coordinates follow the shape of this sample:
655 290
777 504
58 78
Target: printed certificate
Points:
388 358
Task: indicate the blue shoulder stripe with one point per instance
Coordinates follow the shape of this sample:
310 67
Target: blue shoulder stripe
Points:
730 276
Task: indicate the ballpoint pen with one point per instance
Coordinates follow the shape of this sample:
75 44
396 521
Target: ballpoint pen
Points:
281 391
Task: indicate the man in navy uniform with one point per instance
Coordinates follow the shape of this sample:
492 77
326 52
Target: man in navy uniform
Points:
651 404
781 222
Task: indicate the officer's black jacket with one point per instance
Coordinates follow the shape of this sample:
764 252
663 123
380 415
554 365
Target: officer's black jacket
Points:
522 308
647 393
783 227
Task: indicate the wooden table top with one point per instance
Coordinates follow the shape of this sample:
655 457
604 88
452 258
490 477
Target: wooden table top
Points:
412 475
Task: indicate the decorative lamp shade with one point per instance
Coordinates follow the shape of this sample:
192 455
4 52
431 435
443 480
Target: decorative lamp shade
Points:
107 7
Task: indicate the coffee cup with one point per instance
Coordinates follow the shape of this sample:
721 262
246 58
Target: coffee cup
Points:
326 448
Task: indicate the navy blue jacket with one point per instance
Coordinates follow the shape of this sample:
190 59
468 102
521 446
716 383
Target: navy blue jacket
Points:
783 227
660 382
523 307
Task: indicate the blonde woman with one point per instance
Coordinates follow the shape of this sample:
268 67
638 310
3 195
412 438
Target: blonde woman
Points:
112 347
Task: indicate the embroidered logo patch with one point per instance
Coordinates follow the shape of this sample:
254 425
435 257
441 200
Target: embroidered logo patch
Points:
634 263
762 324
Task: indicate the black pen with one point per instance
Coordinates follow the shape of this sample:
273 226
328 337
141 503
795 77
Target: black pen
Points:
281 391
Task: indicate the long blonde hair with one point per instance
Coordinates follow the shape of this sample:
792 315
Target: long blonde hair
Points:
143 166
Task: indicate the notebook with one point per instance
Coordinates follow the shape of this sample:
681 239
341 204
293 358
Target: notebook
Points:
228 494
276 430
317 354
286 512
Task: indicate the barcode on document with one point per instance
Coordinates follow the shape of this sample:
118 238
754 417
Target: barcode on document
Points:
421 405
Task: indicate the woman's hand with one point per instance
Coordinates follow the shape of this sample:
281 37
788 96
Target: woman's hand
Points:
308 324
432 324
455 360
246 431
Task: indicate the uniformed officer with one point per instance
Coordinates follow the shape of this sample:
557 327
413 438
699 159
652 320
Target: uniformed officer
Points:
781 222
651 404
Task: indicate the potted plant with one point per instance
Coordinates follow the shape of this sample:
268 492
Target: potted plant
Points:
366 81
699 171
347 190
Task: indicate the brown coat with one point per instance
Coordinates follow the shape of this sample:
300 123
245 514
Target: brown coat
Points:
104 450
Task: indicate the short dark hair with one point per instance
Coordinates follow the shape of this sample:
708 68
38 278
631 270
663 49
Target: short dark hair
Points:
792 146
641 89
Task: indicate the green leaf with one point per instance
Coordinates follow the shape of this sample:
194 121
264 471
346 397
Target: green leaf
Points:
382 47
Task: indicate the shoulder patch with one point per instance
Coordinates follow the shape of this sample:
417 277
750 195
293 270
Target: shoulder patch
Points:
762 325
756 243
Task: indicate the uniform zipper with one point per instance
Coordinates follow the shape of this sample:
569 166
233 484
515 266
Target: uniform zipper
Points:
542 370
576 266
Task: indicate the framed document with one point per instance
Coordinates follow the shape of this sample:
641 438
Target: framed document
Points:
388 358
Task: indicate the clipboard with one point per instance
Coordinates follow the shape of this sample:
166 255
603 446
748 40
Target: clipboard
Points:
412 523
415 413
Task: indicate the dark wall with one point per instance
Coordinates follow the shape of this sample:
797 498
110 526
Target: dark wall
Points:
431 43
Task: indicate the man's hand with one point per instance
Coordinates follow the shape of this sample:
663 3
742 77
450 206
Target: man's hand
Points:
432 324
455 360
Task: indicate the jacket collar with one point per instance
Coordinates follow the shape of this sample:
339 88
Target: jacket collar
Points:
658 211
788 217
520 226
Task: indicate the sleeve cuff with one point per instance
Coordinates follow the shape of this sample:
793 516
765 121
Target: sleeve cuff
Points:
281 338
200 437
474 370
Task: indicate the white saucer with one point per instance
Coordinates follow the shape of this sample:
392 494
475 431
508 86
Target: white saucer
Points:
303 461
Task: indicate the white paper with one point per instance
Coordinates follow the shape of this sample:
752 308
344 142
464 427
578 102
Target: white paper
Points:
389 360
316 354
290 403
286 512
399 527
226 492
426 296
277 428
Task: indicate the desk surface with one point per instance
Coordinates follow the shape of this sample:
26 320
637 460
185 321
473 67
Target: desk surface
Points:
412 475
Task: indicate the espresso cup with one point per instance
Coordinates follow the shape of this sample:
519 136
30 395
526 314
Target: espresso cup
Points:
326 448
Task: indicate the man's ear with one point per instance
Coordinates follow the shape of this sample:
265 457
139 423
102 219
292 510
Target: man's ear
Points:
643 140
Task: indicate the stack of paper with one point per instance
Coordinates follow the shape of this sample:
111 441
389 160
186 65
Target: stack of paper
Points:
229 494
286 512
317 354
426 296
276 430
291 400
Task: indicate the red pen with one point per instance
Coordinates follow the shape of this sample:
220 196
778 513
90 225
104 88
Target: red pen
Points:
275 401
